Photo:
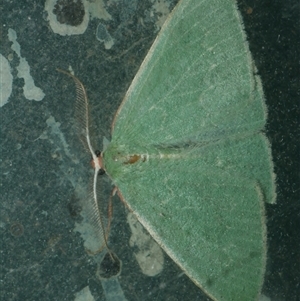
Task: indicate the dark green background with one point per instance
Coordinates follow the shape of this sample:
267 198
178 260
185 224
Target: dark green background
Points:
48 261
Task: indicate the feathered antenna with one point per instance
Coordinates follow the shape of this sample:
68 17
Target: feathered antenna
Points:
82 113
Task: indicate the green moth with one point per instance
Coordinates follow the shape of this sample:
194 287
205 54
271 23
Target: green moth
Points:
188 153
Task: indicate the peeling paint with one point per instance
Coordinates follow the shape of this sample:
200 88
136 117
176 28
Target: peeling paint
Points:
162 9
103 35
30 90
84 295
149 255
58 17
6 79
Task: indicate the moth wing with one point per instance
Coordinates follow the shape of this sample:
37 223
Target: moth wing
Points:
206 211
197 82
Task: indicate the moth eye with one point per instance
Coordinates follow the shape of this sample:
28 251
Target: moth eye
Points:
97 153
101 172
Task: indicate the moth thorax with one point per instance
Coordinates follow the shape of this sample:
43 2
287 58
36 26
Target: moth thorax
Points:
131 159
97 163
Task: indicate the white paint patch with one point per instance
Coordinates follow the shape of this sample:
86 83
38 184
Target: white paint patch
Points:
65 29
55 130
84 295
162 9
93 9
97 10
88 232
149 256
30 91
112 289
103 36
263 298
6 79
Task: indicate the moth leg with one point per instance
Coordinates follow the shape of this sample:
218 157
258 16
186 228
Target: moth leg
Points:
110 207
121 198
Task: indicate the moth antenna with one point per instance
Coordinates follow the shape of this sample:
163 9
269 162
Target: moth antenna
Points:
110 210
82 114
96 216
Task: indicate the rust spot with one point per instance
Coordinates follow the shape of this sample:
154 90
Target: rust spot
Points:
249 10
16 229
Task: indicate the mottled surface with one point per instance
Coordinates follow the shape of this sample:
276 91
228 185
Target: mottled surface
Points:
41 257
